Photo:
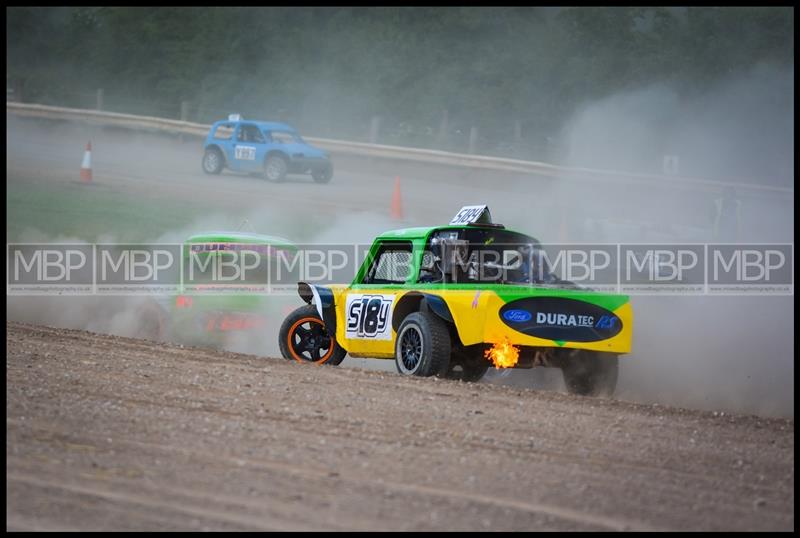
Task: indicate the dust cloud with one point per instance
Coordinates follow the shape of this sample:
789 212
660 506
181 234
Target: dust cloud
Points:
741 130
730 353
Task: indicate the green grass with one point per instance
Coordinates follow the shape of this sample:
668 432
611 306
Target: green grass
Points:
44 210
89 212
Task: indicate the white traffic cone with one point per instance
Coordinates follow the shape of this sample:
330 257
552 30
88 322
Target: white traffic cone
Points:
86 166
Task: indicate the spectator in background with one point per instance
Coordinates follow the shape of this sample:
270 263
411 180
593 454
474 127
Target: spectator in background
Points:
728 217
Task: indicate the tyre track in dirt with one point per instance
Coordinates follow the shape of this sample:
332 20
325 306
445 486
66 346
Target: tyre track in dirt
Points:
243 365
107 432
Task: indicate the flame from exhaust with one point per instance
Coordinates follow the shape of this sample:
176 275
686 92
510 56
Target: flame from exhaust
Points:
503 354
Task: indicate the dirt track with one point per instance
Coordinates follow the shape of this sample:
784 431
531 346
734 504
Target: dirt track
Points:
114 433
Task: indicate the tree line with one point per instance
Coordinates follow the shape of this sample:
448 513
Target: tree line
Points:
513 71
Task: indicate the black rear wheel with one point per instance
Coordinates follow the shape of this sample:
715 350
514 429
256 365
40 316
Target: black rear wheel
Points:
152 322
468 365
591 373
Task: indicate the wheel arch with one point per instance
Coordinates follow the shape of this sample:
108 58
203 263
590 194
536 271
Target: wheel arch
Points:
279 153
416 301
218 148
322 298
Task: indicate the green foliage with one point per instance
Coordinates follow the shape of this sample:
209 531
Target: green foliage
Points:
329 70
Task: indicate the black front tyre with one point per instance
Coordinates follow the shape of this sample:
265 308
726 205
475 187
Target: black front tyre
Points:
304 338
152 322
423 345
213 161
323 174
591 373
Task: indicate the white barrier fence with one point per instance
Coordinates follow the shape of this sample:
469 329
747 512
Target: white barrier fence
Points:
378 151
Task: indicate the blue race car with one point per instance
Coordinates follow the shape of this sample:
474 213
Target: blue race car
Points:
268 148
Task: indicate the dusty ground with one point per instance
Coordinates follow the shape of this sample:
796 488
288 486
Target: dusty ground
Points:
113 433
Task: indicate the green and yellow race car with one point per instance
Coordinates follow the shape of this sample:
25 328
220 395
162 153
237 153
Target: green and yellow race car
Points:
211 309
455 300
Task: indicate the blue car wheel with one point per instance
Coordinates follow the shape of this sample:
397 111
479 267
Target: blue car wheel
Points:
275 167
213 161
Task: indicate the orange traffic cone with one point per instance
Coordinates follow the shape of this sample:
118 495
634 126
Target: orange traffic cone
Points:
86 166
397 206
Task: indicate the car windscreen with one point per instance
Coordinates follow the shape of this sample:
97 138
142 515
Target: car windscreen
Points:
284 137
224 131
484 255
232 264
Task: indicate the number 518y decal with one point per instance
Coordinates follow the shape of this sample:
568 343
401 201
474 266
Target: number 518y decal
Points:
369 316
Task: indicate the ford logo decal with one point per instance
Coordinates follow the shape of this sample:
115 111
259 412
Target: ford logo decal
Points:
517 316
561 318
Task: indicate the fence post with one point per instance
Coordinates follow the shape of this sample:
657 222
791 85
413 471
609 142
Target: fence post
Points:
16 91
670 167
441 136
473 139
184 116
374 126
99 98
